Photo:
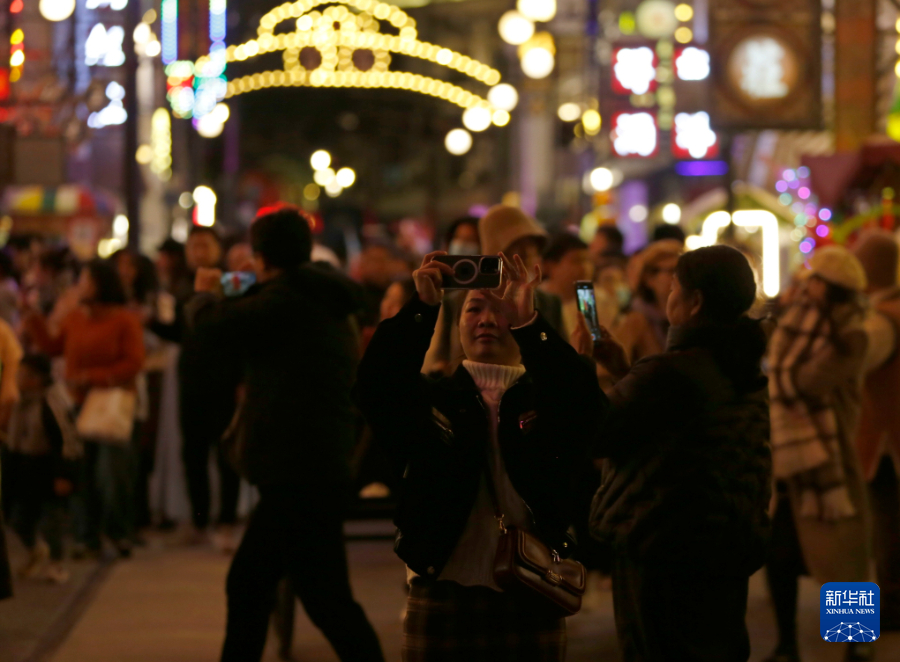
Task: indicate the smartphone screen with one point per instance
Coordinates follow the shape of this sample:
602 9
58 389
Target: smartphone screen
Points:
587 304
236 283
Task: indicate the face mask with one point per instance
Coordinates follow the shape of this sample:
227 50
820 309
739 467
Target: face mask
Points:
623 296
463 248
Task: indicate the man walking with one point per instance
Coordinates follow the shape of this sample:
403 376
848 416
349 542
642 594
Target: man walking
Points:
294 340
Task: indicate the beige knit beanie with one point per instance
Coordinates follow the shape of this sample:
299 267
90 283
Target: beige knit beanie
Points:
503 225
838 266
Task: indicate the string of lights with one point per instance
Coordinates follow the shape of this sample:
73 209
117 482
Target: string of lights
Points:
325 38
369 79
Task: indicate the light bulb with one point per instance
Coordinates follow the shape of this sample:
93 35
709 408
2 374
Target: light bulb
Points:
503 97
514 28
458 142
538 63
477 118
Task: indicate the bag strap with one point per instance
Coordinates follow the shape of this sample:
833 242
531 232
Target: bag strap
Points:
492 491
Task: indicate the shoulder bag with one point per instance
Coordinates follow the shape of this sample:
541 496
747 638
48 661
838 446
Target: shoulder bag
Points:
525 564
107 416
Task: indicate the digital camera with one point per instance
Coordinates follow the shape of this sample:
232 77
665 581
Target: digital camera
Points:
472 272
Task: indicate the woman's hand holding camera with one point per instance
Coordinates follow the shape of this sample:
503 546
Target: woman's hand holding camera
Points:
429 279
514 299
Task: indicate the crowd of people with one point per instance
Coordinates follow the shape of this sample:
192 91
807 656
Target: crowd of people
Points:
705 434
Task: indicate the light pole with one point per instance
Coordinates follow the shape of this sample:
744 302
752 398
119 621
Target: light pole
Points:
132 174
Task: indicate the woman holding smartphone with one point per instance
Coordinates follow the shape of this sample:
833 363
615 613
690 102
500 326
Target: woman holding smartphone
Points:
688 469
522 409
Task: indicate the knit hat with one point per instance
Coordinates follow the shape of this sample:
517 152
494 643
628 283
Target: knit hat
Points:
504 225
877 251
650 257
838 266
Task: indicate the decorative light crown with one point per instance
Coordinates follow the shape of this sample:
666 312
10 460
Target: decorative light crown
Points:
342 46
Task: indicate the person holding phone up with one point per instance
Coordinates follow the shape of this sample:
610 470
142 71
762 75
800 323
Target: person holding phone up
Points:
502 438
688 468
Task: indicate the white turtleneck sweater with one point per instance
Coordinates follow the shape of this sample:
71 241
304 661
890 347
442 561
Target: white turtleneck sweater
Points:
472 560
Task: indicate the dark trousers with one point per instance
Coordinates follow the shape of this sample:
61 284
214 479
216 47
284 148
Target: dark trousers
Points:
884 494
106 496
783 571
195 453
300 535
679 615
34 507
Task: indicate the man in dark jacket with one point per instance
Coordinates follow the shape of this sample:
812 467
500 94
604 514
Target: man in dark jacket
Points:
295 343
686 488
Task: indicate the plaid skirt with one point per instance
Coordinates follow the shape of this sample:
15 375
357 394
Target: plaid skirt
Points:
447 622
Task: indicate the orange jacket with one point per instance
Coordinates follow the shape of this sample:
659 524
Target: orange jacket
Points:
105 348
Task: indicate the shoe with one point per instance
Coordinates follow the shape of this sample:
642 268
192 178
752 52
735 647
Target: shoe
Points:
860 652
37 558
56 573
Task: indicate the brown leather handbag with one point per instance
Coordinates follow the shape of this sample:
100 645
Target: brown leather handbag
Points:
526 565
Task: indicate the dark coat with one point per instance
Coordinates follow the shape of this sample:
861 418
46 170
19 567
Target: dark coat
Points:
688 473
437 433
293 345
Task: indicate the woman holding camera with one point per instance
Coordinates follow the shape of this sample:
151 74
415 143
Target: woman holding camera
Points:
502 437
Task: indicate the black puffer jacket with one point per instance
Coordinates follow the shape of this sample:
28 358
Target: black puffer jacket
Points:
688 473
294 347
437 433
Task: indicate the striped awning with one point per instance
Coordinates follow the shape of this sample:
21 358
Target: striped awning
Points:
65 200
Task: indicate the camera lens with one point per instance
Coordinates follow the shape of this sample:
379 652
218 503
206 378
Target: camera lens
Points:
465 271
490 265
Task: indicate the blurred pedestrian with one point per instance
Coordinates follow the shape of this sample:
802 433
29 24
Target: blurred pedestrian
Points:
462 238
39 468
667 232
207 402
610 276
50 276
686 485
375 271
878 440
644 328
139 280
565 261
9 291
102 343
821 516
607 242
239 257
294 347
203 249
520 428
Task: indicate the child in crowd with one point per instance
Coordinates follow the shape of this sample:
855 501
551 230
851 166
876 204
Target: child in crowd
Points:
42 445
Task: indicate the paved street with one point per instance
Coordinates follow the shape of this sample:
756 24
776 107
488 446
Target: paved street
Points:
168 604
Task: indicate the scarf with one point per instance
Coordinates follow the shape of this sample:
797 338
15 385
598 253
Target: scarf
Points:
805 446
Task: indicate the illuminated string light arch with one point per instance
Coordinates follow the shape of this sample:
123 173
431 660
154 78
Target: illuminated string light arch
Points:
338 34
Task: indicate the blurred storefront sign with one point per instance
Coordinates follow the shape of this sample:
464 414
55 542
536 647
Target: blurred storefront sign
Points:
766 59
